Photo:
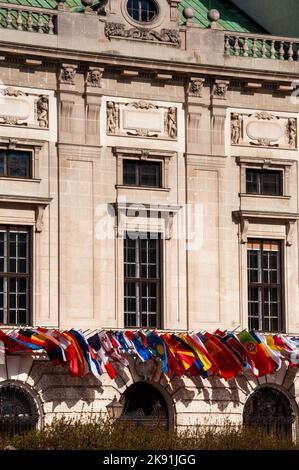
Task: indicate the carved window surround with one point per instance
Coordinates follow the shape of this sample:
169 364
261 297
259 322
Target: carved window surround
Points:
156 218
161 156
266 164
38 204
34 146
245 218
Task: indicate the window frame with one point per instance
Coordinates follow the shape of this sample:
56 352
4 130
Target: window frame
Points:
140 281
140 11
160 156
275 164
31 162
9 274
261 173
138 172
262 286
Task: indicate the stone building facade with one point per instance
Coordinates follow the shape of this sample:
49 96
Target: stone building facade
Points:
134 119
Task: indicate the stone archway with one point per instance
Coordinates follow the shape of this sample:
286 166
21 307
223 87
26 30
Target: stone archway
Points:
145 404
271 410
18 410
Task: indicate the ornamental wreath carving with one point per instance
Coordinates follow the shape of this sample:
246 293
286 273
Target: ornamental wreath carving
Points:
164 36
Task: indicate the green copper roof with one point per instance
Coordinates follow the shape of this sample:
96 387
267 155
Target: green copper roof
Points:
231 17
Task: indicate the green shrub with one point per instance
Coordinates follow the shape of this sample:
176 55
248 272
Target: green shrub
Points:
75 435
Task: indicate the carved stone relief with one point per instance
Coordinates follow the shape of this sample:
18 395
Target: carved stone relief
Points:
220 89
94 77
67 74
195 87
141 119
164 36
19 108
42 111
235 128
263 129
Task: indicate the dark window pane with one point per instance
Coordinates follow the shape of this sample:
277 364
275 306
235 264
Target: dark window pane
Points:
2 163
22 314
22 266
271 182
130 172
18 164
252 182
12 318
1 316
150 174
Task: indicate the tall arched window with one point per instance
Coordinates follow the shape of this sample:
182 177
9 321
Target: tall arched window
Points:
143 11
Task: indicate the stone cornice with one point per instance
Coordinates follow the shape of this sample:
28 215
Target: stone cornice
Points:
188 69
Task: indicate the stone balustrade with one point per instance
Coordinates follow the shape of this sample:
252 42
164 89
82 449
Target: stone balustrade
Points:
261 46
24 18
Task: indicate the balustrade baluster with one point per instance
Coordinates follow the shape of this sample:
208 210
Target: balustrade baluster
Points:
20 21
272 50
290 51
281 50
40 23
245 47
30 22
51 25
264 49
236 46
9 19
227 45
255 48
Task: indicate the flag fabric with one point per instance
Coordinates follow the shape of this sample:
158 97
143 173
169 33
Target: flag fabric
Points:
79 366
222 352
95 342
111 351
228 364
11 345
199 351
143 353
157 347
184 355
90 358
214 370
275 355
174 367
231 342
260 361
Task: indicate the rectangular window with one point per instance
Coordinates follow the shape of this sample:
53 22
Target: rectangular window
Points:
267 182
142 285
15 163
14 275
140 173
264 285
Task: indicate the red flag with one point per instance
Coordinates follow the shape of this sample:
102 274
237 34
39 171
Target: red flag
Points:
174 367
228 364
11 345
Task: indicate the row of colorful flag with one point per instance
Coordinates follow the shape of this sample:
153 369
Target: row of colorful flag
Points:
222 353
